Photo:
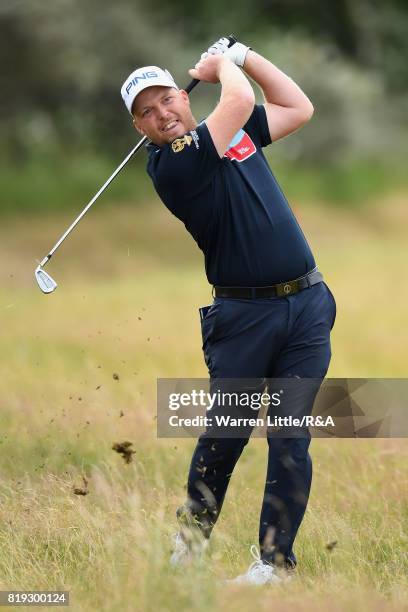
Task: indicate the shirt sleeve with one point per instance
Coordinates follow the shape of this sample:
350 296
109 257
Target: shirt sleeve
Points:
257 126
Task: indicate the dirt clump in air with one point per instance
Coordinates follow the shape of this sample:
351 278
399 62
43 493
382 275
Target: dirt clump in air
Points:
124 449
82 490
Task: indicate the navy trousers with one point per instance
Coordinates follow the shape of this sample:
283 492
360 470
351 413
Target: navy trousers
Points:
257 339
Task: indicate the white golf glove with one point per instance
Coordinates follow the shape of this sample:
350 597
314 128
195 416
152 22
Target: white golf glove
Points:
236 53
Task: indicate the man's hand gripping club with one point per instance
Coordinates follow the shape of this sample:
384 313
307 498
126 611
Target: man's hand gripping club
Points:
236 53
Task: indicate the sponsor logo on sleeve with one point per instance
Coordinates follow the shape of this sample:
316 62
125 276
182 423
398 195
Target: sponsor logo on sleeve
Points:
241 147
179 144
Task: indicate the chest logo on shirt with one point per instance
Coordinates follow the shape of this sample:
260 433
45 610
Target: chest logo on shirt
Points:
179 144
241 147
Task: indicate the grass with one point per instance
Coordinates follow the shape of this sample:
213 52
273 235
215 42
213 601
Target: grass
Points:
350 183
130 285
52 180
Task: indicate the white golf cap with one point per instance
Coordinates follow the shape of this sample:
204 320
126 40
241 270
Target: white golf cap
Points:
140 79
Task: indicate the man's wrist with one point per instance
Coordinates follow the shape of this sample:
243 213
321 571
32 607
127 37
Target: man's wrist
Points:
248 54
223 61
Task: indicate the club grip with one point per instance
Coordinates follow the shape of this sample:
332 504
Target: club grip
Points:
232 40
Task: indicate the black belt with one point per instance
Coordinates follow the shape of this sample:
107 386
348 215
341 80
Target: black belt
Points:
279 290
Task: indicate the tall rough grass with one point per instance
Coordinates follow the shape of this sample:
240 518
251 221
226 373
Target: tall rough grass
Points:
130 286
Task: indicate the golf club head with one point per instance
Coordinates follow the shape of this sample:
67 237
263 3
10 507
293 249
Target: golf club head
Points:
44 280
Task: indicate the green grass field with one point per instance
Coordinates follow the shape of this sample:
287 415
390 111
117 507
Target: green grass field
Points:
131 282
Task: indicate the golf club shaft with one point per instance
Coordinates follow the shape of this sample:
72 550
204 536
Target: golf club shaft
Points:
96 196
189 88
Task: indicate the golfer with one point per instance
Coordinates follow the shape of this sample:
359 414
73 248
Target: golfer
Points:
272 313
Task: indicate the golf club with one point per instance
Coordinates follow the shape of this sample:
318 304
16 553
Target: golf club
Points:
46 283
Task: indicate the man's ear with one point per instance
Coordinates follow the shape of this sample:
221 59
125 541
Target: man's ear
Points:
137 127
185 96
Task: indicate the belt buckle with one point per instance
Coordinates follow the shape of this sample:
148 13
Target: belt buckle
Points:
284 289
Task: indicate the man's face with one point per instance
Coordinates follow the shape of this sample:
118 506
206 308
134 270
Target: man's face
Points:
162 114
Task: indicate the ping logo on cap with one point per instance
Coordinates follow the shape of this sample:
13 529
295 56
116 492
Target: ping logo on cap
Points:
140 79
144 75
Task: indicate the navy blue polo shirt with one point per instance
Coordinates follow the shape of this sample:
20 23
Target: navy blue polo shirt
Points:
232 206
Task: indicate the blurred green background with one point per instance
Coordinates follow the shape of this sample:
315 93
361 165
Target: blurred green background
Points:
64 127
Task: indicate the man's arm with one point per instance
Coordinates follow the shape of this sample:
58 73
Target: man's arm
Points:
236 103
287 107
